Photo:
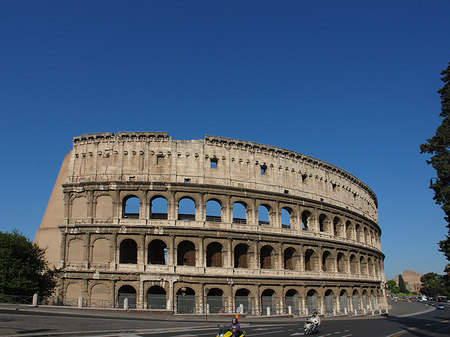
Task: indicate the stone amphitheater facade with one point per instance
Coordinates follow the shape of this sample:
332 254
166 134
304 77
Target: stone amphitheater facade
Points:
205 226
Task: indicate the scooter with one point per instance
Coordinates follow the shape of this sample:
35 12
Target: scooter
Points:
226 332
309 328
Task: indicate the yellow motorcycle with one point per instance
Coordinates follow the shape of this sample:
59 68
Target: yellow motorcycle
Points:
226 332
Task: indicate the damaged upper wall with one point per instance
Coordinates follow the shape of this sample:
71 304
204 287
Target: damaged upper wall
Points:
156 157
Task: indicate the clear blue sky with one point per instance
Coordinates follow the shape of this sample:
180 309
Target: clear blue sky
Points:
352 83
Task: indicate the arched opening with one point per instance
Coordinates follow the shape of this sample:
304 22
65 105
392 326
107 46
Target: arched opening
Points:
370 267
186 209
286 220
305 218
239 213
327 261
263 215
156 298
312 302
343 302
266 259
242 299
349 230
323 223
186 254
128 292
214 300
363 265
337 225
353 265
158 208
241 256
310 260
366 236
292 300
214 255
130 207
365 299
128 252
213 211
289 254
268 300
358 233
186 301
355 301
341 265
329 302
157 252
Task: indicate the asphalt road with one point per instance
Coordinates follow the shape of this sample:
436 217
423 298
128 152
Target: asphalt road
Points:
26 321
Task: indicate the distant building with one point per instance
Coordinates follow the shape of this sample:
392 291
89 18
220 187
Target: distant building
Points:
412 280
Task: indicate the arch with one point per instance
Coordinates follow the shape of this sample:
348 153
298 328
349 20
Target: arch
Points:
101 251
79 208
310 260
156 298
159 208
214 255
355 301
341 263
73 292
358 233
292 300
327 261
186 254
242 299
366 236
241 258
329 302
286 219
343 302
215 300
266 257
100 296
305 220
353 265
323 223
263 215
186 209
349 229
365 297
268 300
337 226
363 265
131 207
186 301
104 207
289 255
213 210
127 291
312 301
128 252
157 252
239 213
76 251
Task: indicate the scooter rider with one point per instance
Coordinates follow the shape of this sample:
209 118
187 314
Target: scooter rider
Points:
235 327
315 319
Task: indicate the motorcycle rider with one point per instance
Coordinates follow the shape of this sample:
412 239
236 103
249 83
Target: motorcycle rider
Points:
315 320
235 327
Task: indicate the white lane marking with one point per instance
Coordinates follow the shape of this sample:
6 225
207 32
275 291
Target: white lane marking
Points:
265 333
297 334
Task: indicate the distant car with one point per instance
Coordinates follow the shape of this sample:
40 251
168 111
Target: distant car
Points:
440 307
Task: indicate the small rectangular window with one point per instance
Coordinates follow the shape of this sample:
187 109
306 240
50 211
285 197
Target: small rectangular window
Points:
263 170
187 181
213 162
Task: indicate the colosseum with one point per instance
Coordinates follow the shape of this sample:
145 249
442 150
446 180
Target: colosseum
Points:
139 220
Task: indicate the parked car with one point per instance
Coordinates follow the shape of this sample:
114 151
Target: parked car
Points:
440 307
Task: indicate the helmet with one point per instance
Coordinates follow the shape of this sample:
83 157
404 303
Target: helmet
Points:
234 320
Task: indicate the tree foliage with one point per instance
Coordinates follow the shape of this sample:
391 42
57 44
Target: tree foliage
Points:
402 284
393 287
439 147
23 268
434 285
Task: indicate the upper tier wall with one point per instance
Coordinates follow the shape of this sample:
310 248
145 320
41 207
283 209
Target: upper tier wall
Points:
154 156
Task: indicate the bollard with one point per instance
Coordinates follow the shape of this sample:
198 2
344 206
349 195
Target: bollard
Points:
345 311
207 308
125 303
80 302
35 300
307 312
242 307
290 310
268 311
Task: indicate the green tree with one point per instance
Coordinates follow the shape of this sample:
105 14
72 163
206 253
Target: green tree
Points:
439 147
433 285
23 268
402 284
393 287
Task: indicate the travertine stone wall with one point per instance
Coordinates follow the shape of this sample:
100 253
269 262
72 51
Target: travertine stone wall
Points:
326 256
